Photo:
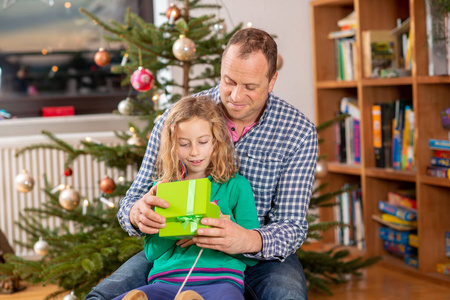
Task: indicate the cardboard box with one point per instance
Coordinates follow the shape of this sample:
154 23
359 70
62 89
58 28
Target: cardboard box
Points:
189 202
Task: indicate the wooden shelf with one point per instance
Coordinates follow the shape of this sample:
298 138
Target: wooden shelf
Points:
335 167
330 84
429 94
387 81
443 182
391 174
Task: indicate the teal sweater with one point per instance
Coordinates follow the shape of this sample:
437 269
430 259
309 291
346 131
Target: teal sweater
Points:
172 263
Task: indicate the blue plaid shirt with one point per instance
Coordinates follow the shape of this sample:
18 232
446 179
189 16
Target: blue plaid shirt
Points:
278 157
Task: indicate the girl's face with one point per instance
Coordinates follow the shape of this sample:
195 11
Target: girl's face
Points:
195 146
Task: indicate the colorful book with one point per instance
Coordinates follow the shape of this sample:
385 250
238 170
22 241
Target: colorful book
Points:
413 240
406 214
399 249
440 172
439 144
393 225
379 52
441 153
397 131
447 243
405 198
440 162
389 234
398 221
377 138
443 268
412 261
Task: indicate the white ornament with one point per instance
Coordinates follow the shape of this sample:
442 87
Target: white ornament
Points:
24 182
41 247
70 296
69 198
135 141
125 106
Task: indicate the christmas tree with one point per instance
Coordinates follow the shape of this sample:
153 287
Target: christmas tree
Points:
77 259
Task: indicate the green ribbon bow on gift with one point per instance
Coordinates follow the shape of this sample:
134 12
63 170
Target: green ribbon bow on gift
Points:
193 220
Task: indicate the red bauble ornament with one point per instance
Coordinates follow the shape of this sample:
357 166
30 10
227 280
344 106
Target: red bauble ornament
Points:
102 58
142 79
67 171
173 13
107 185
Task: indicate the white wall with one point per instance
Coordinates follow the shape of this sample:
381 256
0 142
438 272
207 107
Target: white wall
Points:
289 20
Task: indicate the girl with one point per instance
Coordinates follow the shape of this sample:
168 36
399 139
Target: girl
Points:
195 143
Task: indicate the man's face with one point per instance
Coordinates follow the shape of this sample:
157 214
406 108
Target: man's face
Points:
244 86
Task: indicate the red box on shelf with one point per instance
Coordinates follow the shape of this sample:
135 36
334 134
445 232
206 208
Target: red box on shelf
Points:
58 111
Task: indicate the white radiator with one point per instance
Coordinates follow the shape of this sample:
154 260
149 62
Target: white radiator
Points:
85 179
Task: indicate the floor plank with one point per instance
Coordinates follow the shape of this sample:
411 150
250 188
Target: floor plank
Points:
380 283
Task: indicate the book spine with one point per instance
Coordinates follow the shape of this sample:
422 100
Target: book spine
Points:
377 136
441 153
357 141
389 234
397 248
395 220
439 144
440 172
440 162
397 199
398 212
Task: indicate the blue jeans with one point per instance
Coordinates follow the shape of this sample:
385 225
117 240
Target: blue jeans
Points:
268 280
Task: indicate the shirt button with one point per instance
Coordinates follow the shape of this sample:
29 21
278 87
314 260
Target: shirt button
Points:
233 129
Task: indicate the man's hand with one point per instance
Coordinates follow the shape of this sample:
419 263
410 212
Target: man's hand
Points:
227 236
142 215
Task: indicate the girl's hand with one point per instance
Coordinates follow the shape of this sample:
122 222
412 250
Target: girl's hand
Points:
183 243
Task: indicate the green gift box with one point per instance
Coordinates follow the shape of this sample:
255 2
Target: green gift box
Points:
189 202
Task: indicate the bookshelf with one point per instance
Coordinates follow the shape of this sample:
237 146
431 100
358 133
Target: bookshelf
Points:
430 95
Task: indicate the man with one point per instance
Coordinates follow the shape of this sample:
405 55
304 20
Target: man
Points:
277 148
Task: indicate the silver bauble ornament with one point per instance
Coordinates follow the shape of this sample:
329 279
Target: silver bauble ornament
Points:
135 141
69 198
24 182
70 296
125 106
41 247
184 48
220 27
321 169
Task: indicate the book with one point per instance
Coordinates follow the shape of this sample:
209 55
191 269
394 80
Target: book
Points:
393 219
379 52
406 214
348 22
440 172
447 243
441 153
445 115
435 144
443 268
399 249
383 113
405 198
393 225
412 260
407 156
389 234
397 131
352 133
358 220
413 240
440 161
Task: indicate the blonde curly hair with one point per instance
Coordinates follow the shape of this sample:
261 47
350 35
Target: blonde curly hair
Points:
224 163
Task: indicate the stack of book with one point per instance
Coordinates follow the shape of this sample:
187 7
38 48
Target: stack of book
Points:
393 135
345 48
399 223
348 211
348 133
440 159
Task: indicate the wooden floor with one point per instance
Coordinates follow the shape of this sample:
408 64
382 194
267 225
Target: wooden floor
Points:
377 283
